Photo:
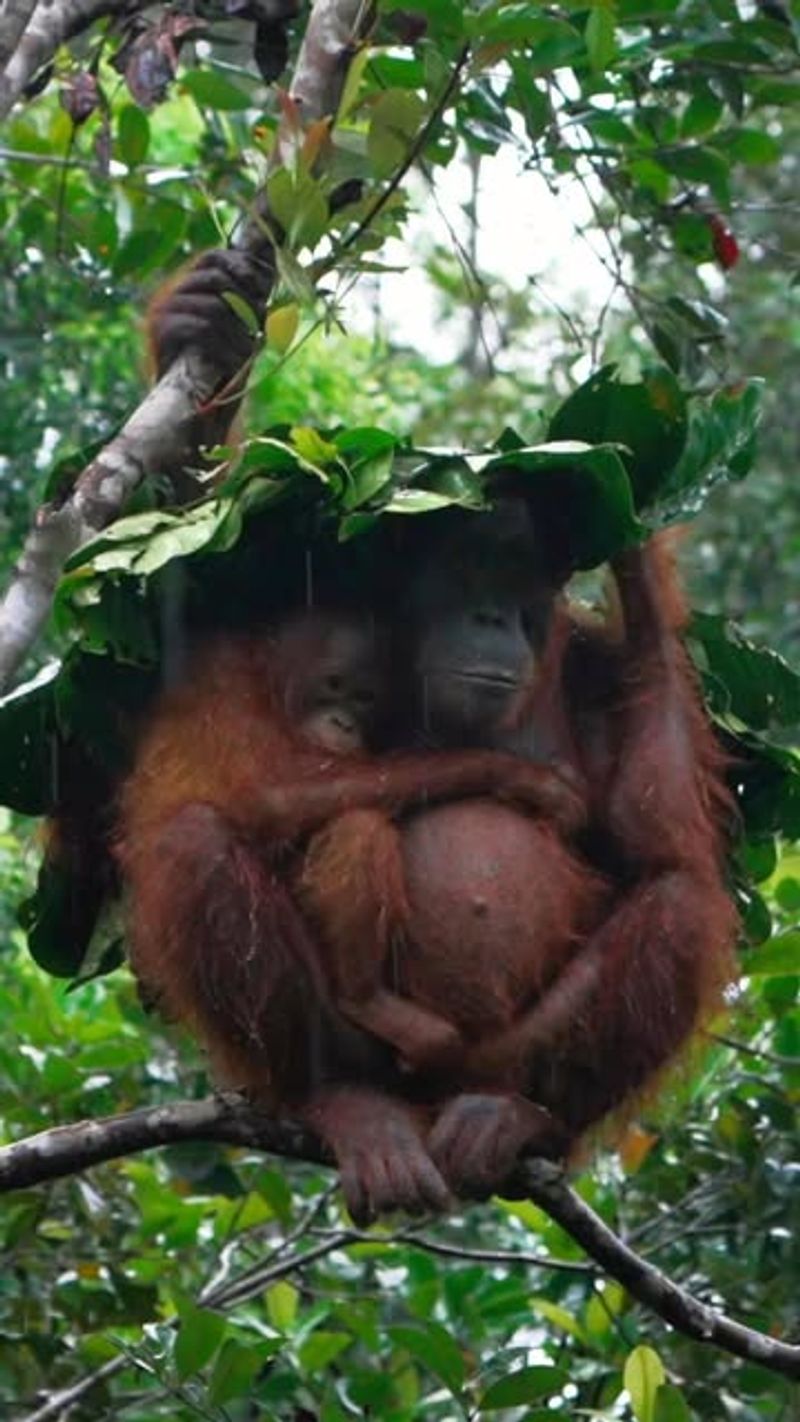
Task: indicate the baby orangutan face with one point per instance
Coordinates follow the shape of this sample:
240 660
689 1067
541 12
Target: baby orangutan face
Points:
335 679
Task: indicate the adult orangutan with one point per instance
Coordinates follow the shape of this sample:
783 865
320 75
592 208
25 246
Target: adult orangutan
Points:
574 977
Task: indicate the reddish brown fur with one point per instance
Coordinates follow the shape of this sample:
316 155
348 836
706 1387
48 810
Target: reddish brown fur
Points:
575 989
574 981
224 789
658 964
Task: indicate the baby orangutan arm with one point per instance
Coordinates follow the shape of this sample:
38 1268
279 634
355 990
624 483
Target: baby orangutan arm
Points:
394 784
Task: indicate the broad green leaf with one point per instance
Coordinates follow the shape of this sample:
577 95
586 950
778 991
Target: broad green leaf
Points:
527 1213
553 41
777 958
767 784
750 682
702 114
751 145
652 176
610 128
396 120
395 71
648 418
27 729
356 65
701 165
416 501
200 1333
282 1300
692 236
454 480
783 92
293 276
321 1348
703 320
730 52
149 248
281 327
522 1386
600 36
367 478
298 203
71 931
236 1369
144 543
787 893
363 443
484 120
757 858
213 90
532 101
275 1190
311 446
559 1317
642 1376
432 1346
133 132
670 1405
720 445
581 492
602 1309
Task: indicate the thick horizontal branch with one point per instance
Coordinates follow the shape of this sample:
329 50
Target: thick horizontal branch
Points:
66 1150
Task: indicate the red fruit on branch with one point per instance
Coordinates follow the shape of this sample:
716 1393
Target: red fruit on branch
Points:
726 248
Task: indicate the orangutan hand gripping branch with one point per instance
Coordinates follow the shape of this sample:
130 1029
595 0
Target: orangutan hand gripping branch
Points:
535 870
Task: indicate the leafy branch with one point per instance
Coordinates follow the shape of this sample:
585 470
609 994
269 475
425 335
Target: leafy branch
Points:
167 428
67 1150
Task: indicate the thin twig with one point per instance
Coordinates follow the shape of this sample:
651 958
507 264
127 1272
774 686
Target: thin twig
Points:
59 1403
256 1280
411 157
545 1185
476 1256
775 1058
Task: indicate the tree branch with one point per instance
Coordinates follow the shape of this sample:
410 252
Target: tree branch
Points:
66 1150
167 428
14 17
58 1403
545 1185
49 24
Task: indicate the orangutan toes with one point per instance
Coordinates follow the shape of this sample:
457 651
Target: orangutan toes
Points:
382 1159
478 1139
392 1171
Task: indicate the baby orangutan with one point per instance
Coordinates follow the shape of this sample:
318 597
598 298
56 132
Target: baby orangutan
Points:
342 708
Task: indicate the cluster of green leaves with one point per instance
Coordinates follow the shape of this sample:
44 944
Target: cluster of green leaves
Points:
663 102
